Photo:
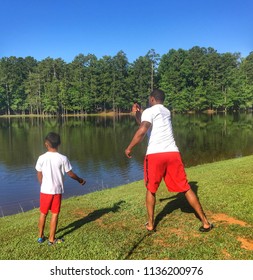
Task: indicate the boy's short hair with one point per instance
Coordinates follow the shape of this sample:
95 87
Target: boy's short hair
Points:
54 139
158 94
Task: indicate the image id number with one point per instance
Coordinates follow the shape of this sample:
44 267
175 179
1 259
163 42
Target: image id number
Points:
173 270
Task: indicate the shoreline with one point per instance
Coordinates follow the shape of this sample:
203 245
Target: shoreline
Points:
113 114
109 225
102 114
35 202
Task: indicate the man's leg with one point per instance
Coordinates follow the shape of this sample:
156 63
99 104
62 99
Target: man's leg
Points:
194 202
150 204
53 226
176 181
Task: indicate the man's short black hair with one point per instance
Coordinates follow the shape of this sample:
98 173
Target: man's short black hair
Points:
158 94
54 139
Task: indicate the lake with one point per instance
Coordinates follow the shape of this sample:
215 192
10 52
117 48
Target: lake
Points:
95 147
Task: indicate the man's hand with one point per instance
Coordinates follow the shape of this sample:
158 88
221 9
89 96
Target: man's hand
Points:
138 116
128 152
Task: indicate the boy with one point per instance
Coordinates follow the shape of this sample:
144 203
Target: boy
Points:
51 167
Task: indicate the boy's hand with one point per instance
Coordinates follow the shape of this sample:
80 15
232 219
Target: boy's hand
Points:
82 181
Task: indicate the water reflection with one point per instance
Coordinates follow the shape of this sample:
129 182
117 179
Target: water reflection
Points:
95 147
208 138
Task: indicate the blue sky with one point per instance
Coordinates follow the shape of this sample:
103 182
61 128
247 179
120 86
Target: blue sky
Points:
61 28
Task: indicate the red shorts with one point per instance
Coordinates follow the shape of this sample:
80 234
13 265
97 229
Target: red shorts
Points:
167 166
50 202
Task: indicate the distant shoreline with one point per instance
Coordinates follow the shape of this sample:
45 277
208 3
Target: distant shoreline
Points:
103 114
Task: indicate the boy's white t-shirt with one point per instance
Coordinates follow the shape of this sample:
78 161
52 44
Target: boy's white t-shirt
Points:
161 137
53 166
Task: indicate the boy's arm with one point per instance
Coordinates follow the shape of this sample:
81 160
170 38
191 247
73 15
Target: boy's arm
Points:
39 176
72 175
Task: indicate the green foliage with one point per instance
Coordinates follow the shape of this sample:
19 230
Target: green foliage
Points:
196 79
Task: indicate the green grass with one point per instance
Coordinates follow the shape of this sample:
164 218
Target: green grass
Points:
109 225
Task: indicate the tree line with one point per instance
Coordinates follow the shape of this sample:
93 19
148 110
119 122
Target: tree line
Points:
197 79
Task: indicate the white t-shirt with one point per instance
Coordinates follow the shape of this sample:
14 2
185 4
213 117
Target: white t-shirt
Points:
53 166
161 137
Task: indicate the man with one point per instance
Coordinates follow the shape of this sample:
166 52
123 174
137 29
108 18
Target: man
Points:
162 160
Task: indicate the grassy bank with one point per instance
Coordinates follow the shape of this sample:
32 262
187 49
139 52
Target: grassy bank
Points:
110 224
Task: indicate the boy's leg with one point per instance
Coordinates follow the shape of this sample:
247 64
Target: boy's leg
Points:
194 202
45 204
53 226
55 209
150 205
42 221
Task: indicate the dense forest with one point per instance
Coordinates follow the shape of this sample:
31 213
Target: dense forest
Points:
197 79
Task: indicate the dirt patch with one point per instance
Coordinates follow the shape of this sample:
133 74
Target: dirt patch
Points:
79 213
220 217
162 242
226 254
182 234
246 243
177 231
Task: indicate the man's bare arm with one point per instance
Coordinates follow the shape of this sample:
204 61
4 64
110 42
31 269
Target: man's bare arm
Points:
138 137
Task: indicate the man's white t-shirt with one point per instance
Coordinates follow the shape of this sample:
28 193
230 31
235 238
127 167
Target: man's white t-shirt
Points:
161 137
53 166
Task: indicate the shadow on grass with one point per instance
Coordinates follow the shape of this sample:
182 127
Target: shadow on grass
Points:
179 202
90 218
136 245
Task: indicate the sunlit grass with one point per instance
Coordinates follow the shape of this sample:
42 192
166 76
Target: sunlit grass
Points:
109 224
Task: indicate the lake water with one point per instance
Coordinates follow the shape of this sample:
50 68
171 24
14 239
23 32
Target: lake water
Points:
95 146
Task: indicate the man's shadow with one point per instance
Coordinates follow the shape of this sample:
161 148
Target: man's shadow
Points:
177 201
90 218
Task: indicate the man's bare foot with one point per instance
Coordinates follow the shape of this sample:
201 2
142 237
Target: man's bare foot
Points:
148 227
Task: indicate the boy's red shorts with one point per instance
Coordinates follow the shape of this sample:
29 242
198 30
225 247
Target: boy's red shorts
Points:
50 202
167 166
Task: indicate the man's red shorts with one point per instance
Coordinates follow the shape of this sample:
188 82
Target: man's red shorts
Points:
167 166
50 202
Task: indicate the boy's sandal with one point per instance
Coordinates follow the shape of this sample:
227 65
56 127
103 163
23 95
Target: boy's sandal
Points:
41 239
56 241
